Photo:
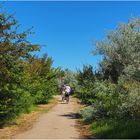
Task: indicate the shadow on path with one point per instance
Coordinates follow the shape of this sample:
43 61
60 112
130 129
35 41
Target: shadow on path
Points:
82 128
71 115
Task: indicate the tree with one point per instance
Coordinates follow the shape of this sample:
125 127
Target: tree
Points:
42 78
121 51
86 79
14 49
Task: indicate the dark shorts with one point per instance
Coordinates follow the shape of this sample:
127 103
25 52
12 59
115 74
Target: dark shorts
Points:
67 95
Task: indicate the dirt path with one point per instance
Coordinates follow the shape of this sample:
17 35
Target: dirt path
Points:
58 123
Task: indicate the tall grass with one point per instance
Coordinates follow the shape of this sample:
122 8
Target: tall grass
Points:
116 129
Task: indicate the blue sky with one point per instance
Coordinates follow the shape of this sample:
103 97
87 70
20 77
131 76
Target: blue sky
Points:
69 28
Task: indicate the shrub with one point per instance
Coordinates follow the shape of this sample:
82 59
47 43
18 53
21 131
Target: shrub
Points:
88 114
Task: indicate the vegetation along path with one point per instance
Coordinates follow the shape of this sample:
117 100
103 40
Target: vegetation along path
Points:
60 122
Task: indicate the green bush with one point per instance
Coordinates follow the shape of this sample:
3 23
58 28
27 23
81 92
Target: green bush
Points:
85 87
130 98
88 114
14 101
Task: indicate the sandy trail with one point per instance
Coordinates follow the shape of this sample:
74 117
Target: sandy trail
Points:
58 123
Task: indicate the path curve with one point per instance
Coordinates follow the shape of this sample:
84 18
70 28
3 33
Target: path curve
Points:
58 123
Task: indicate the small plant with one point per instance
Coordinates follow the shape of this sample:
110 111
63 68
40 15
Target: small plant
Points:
88 114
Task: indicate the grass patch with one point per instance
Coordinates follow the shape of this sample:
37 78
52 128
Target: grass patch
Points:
25 121
117 129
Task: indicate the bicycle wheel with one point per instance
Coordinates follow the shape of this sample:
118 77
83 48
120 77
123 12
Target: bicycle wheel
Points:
63 98
67 99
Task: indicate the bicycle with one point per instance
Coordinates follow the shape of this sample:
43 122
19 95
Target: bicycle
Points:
65 97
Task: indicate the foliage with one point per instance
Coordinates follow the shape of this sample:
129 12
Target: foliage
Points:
116 129
25 80
87 114
86 79
130 100
121 51
42 79
70 77
114 92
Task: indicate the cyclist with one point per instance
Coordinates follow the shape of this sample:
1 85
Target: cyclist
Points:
67 92
66 89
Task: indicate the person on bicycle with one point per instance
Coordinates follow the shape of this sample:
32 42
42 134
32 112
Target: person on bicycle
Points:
67 92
